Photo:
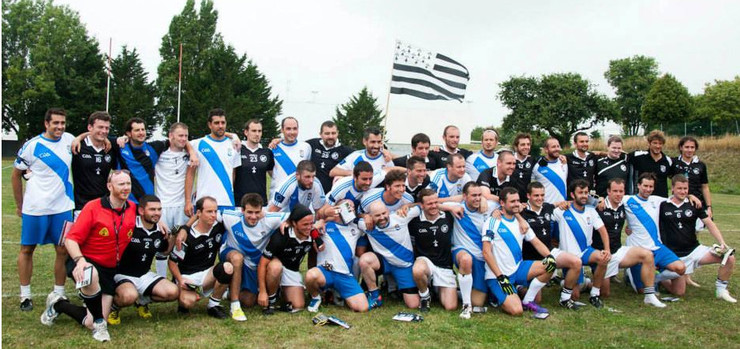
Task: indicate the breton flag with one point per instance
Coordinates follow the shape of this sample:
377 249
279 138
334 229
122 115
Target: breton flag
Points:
428 75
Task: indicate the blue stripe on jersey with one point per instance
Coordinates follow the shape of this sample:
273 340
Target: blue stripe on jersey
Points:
645 219
408 197
286 185
480 165
294 198
357 160
137 171
575 228
394 247
55 164
469 228
443 192
250 251
368 200
341 243
151 153
553 177
218 168
284 160
511 242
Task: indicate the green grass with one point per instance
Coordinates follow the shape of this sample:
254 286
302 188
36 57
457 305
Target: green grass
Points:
697 321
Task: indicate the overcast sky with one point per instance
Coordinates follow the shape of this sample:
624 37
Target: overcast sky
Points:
316 54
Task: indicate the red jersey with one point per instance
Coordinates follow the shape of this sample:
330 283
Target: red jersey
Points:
99 226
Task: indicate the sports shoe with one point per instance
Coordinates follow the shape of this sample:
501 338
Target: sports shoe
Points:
425 304
50 314
374 302
725 296
143 310
26 304
534 307
238 315
114 318
596 302
569 304
217 312
269 310
313 305
653 300
466 312
100 331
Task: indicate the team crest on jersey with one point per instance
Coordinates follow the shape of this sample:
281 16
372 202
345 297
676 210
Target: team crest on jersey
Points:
230 152
547 216
688 213
279 197
678 214
218 237
157 243
696 171
662 168
623 167
146 151
444 228
263 158
397 227
308 197
335 155
302 153
107 158
130 233
69 149
590 162
588 220
528 165
103 232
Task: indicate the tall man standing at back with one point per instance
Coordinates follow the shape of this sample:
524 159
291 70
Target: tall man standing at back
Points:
327 152
653 160
581 163
92 163
373 154
288 153
251 176
451 137
419 147
524 164
486 158
552 173
48 200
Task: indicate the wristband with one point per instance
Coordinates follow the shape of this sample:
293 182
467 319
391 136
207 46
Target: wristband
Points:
76 259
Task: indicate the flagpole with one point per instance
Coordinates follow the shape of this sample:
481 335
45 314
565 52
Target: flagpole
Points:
179 85
107 89
388 99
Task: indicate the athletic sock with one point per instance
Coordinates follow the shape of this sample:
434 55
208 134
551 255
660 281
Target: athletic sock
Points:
76 312
213 302
161 265
94 304
534 287
59 290
273 298
318 296
425 294
143 300
721 284
565 294
25 291
466 287
595 292
114 307
648 290
666 275
235 305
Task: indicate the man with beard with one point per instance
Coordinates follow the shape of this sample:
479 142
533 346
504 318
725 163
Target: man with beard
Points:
417 177
393 195
522 174
501 178
420 148
327 152
552 173
652 160
484 159
302 187
372 154
581 163
451 139
450 181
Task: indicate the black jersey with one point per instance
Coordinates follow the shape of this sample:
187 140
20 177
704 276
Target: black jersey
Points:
200 249
643 162
137 258
433 238
286 247
696 172
523 175
543 225
140 161
581 168
613 222
431 162
440 157
488 180
325 159
607 169
415 190
251 176
90 169
678 226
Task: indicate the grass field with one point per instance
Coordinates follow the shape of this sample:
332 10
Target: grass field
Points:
699 320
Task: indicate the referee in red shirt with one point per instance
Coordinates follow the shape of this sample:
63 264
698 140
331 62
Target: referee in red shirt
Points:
97 239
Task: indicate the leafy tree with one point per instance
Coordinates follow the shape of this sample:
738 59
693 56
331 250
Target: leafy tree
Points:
720 101
131 93
48 61
632 79
213 76
559 104
355 116
667 102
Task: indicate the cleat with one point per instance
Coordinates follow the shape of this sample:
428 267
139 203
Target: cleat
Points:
217 312
26 304
596 302
114 318
374 302
467 311
100 331
651 299
313 305
569 304
725 296
143 311
425 304
535 308
238 315
269 310
50 314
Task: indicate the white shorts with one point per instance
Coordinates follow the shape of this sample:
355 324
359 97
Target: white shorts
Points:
142 283
555 252
173 216
291 278
693 258
612 268
198 279
441 277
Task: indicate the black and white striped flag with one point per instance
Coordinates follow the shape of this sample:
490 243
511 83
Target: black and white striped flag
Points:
428 75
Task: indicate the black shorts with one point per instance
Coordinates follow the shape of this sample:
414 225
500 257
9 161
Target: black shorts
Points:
105 276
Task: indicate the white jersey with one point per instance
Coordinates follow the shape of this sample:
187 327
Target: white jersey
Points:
506 240
377 195
393 241
287 157
49 190
467 231
169 177
576 228
345 189
250 240
340 242
378 163
642 218
479 162
290 193
215 172
554 177
446 187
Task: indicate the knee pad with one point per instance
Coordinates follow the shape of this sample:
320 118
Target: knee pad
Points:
220 274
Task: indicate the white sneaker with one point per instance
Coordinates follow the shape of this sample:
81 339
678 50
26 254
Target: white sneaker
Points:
238 314
725 296
100 331
313 305
651 299
49 314
467 311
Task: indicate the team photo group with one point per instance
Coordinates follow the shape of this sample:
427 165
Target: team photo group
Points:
235 221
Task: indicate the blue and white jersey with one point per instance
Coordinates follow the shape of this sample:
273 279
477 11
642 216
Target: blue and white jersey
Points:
393 241
340 241
287 157
378 163
377 195
577 228
217 160
553 175
467 231
479 162
642 218
506 244
250 240
49 190
345 189
446 187
290 193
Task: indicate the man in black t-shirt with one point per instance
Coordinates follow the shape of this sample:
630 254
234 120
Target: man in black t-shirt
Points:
251 176
451 138
652 160
281 261
678 232
581 163
416 176
522 174
538 215
505 166
91 164
327 152
689 165
614 216
613 165
431 236
420 144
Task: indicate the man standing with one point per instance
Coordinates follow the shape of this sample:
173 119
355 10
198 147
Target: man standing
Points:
288 153
139 157
581 163
449 181
372 154
613 165
302 187
485 158
48 201
92 163
551 172
251 176
524 164
419 147
451 139
416 176
327 152
502 179
653 160
695 171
